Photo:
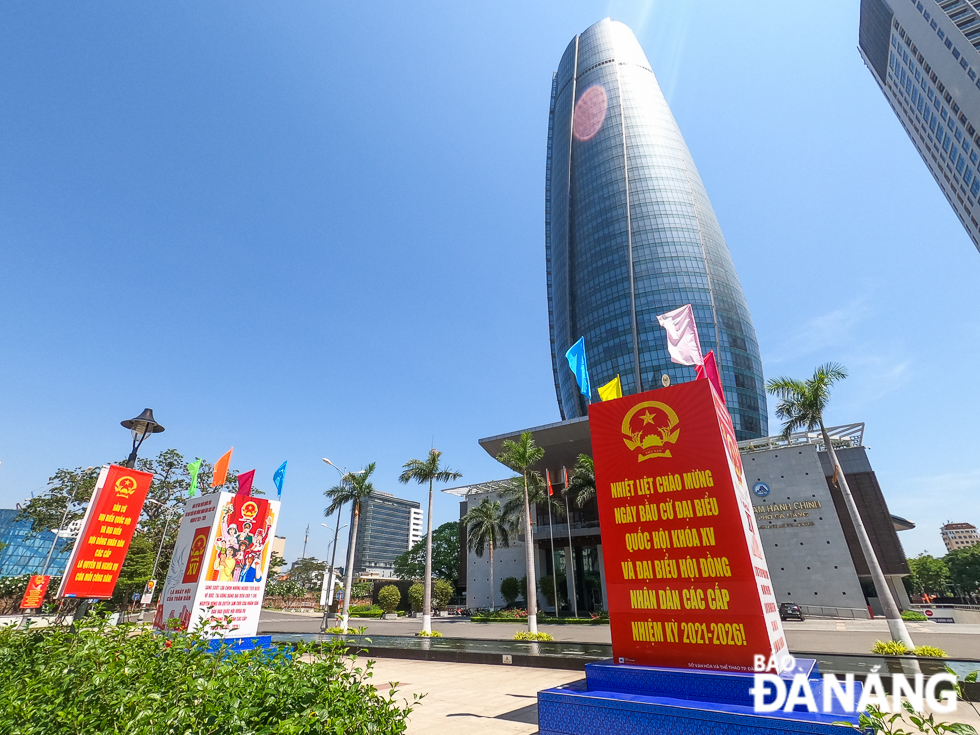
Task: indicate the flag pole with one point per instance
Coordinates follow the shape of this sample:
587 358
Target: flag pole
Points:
551 533
571 553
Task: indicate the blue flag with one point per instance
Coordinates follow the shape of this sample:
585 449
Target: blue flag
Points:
279 477
576 361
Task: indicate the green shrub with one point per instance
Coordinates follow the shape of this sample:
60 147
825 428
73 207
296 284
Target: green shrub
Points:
526 636
430 634
416 596
102 677
547 587
442 592
929 651
913 615
510 589
890 648
361 589
365 609
389 597
337 630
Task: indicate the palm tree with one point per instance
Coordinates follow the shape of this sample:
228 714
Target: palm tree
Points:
486 528
520 456
582 481
353 488
427 471
802 404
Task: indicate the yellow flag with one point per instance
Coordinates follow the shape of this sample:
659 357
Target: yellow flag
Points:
612 389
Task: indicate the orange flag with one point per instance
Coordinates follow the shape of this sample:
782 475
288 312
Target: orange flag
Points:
221 469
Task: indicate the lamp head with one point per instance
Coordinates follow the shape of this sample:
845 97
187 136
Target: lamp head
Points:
143 425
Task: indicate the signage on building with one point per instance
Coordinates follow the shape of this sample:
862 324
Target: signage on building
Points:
761 489
686 578
219 564
37 586
107 530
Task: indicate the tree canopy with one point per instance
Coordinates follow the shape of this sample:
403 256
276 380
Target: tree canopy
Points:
445 555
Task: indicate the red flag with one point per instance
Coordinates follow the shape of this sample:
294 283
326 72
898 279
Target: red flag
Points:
550 490
245 483
709 371
564 477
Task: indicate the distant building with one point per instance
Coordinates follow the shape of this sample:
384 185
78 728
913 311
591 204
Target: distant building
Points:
279 546
925 57
959 535
388 527
416 530
26 551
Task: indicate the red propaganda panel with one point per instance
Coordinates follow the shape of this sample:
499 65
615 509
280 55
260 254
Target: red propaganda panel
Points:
195 559
37 586
686 579
107 531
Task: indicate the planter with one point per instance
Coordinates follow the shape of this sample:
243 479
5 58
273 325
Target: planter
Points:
443 614
390 616
417 615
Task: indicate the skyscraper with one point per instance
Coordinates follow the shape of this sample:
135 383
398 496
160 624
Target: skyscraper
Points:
389 526
924 56
630 234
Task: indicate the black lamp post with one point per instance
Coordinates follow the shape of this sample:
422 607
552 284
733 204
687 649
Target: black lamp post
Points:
141 427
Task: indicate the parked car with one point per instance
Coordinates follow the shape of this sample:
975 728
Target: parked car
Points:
789 610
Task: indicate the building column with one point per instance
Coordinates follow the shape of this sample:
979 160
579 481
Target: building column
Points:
602 579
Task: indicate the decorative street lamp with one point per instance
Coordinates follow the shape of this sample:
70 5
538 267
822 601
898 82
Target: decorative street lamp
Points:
141 427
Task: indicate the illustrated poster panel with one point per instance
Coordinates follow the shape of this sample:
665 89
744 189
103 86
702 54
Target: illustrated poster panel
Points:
187 563
683 577
107 530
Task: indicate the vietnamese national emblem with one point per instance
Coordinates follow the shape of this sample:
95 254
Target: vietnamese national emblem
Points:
649 427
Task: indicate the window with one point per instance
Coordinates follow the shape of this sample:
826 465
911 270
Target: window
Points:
975 189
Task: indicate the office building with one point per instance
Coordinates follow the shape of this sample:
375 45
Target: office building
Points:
959 535
811 546
924 56
630 234
388 527
26 551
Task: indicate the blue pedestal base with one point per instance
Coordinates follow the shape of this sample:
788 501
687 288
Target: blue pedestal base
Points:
645 700
234 645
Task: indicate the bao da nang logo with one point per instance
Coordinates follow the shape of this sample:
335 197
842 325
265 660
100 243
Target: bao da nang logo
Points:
649 428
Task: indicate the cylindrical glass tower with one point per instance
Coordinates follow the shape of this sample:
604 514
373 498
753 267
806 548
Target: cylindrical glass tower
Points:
630 234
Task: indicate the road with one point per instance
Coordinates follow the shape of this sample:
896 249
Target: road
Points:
817 636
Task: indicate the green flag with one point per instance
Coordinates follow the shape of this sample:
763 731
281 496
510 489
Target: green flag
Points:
193 468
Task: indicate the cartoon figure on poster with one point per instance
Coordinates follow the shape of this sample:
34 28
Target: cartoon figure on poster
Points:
242 542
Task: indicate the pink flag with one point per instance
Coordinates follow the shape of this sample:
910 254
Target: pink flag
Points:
245 483
709 370
682 336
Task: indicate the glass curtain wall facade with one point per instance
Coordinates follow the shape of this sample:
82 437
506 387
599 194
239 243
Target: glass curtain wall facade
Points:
384 531
26 551
630 234
925 57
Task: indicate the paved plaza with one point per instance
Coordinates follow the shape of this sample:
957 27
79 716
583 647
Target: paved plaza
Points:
475 698
815 636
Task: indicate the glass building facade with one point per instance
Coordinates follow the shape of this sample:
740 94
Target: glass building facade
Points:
25 552
387 528
630 234
925 57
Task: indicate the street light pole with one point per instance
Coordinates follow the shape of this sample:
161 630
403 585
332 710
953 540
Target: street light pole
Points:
333 557
61 527
329 573
166 527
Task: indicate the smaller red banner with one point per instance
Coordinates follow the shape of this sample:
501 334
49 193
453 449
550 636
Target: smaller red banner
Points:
37 586
195 559
110 523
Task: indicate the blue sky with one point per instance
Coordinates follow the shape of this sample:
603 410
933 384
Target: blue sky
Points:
317 230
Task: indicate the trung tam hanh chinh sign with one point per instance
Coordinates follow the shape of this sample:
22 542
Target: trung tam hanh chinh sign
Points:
686 578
